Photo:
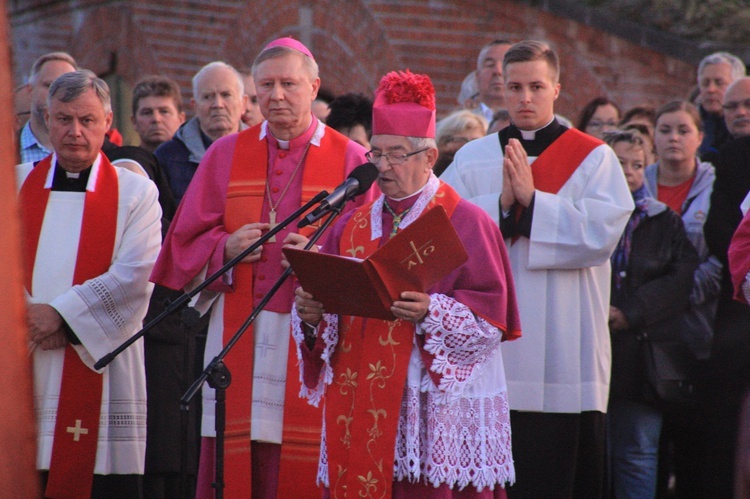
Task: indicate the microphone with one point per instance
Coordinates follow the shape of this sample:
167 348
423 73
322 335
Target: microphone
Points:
358 182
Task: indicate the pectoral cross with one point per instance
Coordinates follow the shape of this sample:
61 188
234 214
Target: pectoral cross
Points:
272 221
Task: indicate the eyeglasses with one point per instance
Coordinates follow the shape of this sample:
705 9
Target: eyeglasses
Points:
733 105
600 124
393 159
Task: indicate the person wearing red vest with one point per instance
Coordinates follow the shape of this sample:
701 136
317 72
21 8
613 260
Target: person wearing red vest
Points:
415 407
562 203
92 233
245 183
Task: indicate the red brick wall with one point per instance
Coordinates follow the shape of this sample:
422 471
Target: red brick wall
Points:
354 41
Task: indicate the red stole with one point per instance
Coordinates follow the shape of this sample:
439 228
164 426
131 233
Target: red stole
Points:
324 169
77 424
370 367
556 164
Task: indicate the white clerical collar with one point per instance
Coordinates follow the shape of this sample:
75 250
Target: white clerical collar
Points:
531 134
320 131
92 176
410 195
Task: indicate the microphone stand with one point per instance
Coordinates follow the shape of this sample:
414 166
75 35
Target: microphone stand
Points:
217 374
186 297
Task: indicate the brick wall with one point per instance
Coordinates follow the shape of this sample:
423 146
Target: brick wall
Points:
354 41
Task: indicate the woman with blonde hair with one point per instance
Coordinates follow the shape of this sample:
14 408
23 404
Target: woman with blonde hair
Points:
455 130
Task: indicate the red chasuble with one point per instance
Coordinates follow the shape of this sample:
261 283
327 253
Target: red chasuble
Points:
301 431
364 401
77 425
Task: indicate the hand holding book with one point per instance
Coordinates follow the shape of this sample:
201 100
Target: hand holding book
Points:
414 260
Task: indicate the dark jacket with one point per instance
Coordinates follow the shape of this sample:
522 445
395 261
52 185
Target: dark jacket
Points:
731 344
654 295
180 157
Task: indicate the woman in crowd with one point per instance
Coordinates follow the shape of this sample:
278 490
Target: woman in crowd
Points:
599 116
652 272
454 131
684 183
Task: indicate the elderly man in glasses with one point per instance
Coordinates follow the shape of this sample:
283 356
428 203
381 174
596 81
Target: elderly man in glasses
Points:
424 394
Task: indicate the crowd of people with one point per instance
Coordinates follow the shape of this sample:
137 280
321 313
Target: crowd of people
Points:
593 344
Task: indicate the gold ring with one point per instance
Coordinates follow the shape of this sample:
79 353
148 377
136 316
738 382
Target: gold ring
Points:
302 310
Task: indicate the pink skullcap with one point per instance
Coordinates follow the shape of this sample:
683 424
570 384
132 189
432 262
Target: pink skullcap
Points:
404 105
291 43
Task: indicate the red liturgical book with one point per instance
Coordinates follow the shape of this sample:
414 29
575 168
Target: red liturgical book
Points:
414 260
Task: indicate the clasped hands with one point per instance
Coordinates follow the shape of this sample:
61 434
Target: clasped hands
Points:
518 182
45 326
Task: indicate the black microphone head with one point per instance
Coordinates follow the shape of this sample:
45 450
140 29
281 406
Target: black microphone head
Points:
365 174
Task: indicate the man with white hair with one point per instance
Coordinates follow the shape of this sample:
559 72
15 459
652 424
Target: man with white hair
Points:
715 73
245 184
92 235
219 100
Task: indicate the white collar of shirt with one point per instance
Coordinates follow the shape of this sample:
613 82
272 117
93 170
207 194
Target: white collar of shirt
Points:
92 177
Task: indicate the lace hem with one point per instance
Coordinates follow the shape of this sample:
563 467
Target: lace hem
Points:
460 343
466 442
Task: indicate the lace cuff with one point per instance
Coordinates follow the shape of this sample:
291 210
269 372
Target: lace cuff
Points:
459 342
330 335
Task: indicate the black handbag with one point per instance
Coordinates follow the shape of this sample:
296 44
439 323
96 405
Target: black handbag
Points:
669 367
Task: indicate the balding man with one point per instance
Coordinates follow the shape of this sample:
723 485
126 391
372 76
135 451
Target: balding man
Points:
93 233
490 78
729 376
715 73
218 100
245 184
34 140
736 107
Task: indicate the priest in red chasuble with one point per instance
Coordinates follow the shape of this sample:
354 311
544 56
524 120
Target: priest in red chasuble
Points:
417 406
246 183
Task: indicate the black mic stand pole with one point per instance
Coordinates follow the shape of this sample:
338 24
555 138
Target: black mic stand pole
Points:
218 376
185 298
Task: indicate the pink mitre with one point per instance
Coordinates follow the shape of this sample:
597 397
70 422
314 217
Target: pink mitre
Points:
291 43
404 105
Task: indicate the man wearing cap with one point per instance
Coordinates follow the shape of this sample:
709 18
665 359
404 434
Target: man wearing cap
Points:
245 184
425 413
562 203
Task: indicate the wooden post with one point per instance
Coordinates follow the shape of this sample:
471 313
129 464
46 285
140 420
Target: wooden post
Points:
18 476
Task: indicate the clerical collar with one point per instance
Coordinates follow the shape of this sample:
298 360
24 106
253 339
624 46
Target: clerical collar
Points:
540 140
70 182
303 138
531 134
407 197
